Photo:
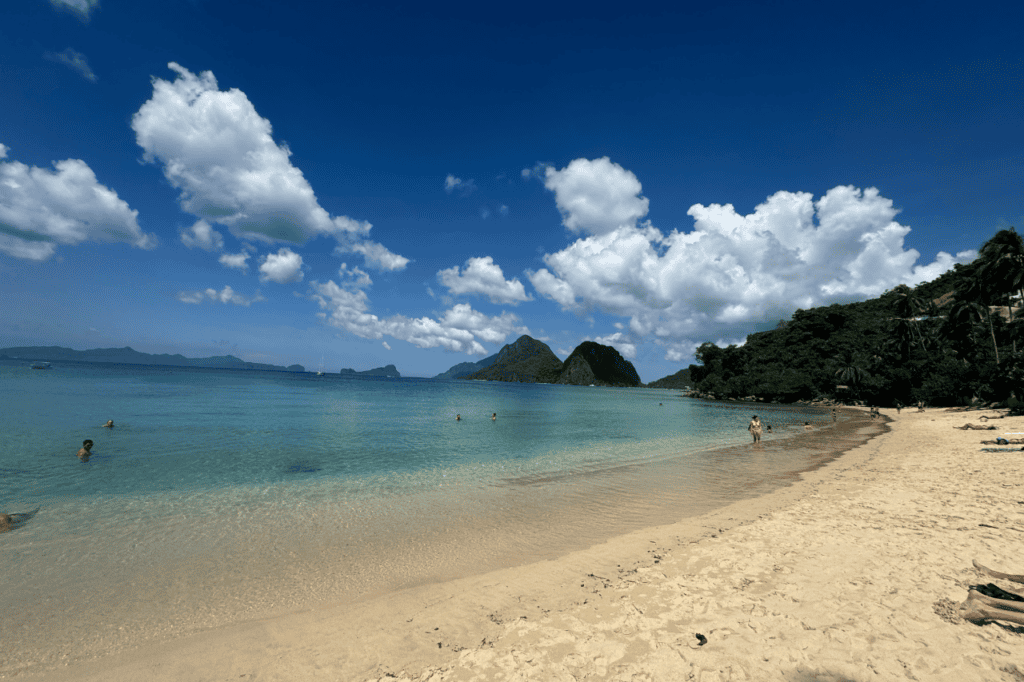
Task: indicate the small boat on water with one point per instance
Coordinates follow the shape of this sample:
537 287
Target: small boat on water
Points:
40 364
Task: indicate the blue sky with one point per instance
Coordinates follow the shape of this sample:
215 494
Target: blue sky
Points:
420 184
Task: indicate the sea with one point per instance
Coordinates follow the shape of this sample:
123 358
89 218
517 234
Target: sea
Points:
223 496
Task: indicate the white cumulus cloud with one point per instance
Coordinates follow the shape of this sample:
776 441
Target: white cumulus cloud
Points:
235 261
42 208
219 152
225 295
484 277
202 235
731 270
354 277
596 196
377 256
460 329
282 267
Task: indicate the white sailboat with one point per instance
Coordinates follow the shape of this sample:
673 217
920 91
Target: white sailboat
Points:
320 372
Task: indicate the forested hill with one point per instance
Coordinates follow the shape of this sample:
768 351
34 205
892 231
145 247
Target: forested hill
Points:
680 379
951 341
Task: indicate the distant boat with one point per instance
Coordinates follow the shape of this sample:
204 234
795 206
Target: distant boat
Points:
39 364
320 372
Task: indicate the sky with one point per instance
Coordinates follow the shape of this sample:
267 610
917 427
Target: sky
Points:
362 184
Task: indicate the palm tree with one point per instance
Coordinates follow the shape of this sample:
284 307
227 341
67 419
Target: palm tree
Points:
1001 269
1002 262
851 374
963 319
974 293
906 325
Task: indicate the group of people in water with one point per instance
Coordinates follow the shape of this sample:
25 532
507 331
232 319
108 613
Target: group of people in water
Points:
757 427
86 450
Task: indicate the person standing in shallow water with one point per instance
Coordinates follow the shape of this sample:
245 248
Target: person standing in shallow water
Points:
755 428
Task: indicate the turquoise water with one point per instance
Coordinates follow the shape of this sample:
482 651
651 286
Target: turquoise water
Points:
215 483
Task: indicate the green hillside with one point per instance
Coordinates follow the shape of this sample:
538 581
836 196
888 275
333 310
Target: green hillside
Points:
955 340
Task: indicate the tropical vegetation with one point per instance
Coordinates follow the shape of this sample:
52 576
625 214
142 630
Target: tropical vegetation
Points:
956 340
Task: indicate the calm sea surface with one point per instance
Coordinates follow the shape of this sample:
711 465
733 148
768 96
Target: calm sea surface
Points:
222 496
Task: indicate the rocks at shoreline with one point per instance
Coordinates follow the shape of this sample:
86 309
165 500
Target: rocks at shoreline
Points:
821 402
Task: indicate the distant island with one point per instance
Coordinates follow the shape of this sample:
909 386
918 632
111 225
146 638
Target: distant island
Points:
389 371
528 360
129 356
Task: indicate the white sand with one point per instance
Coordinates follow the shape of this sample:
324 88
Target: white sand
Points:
834 578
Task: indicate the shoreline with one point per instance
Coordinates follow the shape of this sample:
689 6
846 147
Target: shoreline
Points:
840 570
276 553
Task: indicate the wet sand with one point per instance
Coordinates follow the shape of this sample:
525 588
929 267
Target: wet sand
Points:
851 573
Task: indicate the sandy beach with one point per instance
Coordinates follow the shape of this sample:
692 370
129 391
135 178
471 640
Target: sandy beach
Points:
852 573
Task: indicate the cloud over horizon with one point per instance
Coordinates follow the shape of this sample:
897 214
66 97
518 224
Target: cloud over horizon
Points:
42 208
219 152
731 271
459 329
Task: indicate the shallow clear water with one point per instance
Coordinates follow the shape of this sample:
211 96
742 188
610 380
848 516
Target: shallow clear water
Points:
226 495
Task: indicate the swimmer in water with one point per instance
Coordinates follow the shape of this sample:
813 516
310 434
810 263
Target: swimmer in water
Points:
808 427
109 424
458 417
85 451
494 416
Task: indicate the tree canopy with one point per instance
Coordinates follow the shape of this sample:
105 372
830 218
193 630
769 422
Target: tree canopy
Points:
950 341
